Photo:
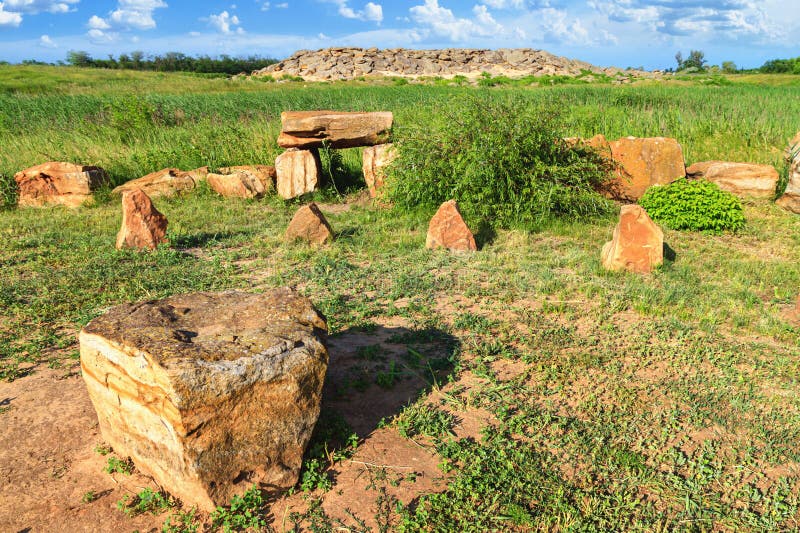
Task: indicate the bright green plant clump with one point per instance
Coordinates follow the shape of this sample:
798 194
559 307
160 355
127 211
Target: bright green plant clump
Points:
503 159
693 205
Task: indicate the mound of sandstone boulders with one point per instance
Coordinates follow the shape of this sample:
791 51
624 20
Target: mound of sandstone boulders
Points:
344 63
209 393
58 183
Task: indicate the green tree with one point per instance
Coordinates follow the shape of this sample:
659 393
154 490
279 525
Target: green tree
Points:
729 67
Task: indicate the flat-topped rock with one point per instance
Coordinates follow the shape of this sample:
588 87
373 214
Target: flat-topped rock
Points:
310 129
637 244
209 393
58 183
375 159
298 172
642 163
741 179
165 182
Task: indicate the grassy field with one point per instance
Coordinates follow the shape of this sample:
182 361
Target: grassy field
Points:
604 401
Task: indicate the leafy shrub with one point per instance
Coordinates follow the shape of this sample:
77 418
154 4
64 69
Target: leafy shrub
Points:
503 160
693 205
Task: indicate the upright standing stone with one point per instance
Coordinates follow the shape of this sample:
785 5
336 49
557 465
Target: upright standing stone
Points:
143 226
741 179
58 183
790 200
637 245
311 129
644 163
447 229
209 393
375 160
309 224
298 172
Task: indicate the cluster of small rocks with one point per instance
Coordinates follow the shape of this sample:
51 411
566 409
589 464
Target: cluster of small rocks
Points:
350 63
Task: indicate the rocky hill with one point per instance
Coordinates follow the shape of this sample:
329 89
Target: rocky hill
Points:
349 63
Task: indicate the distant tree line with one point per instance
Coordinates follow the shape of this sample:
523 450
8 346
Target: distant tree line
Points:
696 62
171 62
781 66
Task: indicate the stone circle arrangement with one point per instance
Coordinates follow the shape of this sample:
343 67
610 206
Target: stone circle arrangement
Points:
194 387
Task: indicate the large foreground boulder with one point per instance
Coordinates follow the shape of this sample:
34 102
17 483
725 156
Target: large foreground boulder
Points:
143 226
741 179
310 225
447 229
637 245
165 182
297 172
58 183
310 129
375 160
790 200
642 163
209 393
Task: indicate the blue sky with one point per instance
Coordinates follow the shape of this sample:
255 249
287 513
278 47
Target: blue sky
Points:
606 32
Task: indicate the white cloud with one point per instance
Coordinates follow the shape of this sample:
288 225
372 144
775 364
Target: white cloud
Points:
9 19
372 12
38 6
441 21
46 42
101 37
266 6
505 4
224 23
137 14
96 23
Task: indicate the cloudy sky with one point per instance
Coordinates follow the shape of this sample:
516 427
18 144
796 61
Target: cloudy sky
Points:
606 32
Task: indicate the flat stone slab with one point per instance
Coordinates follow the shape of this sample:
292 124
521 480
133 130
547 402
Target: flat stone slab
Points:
310 129
209 393
741 179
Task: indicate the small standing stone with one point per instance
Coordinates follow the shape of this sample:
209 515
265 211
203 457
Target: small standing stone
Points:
375 159
309 224
143 226
637 245
447 229
298 172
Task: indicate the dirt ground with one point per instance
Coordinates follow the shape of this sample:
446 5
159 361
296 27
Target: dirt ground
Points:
49 435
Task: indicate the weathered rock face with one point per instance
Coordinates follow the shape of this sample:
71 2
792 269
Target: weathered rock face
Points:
447 229
790 200
165 182
375 160
239 184
309 224
350 63
741 179
298 172
644 162
309 129
209 392
637 245
58 183
263 173
143 226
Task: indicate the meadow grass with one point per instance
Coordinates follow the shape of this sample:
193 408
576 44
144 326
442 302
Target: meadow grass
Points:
610 401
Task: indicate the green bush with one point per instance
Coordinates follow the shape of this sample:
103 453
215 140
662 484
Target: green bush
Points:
502 159
693 205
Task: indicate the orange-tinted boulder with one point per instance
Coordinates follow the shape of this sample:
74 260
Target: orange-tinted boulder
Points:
237 184
264 173
790 200
58 183
165 182
447 229
637 245
741 179
375 160
143 226
309 224
311 129
298 172
642 163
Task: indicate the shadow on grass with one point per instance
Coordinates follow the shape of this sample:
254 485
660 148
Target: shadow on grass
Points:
669 253
485 235
198 240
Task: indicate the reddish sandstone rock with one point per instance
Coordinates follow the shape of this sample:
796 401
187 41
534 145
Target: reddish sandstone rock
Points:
309 129
298 172
741 179
165 182
447 229
375 160
637 245
143 226
309 224
58 183
790 200
209 393
238 184
264 173
643 163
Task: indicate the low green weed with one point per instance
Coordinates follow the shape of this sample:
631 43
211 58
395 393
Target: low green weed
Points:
695 205
245 511
146 501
